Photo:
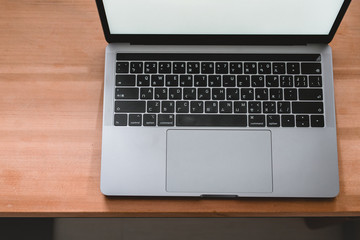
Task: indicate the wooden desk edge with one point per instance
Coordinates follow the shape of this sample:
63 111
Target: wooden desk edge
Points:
177 214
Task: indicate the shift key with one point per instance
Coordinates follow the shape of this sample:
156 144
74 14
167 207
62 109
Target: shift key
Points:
130 106
307 107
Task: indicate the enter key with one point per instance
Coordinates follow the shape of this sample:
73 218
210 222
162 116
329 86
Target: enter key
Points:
310 94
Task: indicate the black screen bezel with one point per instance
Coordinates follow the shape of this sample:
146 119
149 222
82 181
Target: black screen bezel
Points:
218 39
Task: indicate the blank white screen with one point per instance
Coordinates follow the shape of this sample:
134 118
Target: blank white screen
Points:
258 17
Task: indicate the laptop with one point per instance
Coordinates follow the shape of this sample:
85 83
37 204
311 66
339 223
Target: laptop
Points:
210 98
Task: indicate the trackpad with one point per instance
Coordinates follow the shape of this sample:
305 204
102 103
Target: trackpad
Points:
219 161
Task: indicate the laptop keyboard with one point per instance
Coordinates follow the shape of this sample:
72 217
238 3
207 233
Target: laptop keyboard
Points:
219 90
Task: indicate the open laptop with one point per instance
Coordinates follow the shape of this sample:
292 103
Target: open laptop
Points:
230 98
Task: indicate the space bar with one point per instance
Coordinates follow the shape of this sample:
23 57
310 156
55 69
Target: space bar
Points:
190 120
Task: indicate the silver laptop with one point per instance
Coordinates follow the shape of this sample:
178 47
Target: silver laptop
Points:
210 98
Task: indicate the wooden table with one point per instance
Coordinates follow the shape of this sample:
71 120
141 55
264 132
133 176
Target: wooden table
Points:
51 89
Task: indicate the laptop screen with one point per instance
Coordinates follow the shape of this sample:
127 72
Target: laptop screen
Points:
222 17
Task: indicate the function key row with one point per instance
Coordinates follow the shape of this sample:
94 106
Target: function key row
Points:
218 80
201 120
219 67
219 93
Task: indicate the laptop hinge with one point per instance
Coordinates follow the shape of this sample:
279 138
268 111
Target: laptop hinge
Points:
315 44
144 44
214 44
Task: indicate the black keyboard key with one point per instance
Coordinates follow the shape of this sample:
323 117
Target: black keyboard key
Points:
286 81
186 80
175 93
125 80
157 80
204 94
164 67
167 106
302 121
166 120
243 81
278 68
211 107
225 107
222 67
136 67
122 67
250 68
218 93
232 94
264 68
149 119
256 120
315 81
189 93
126 93
310 94
146 93
269 107
153 106
200 80
261 94
161 93
247 94
283 107
150 67
290 94
214 81
276 94
254 107
135 119
273 120
272 81
229 80
301 81
307 107
130 106
207 67
179 67
202 120
120 119
287 121
311 68
257 81
293 68
172 80
317 121
143 80
240 107
182 106
193 67
236 68
197 107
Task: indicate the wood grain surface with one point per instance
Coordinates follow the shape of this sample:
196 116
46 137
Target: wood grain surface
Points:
51 89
